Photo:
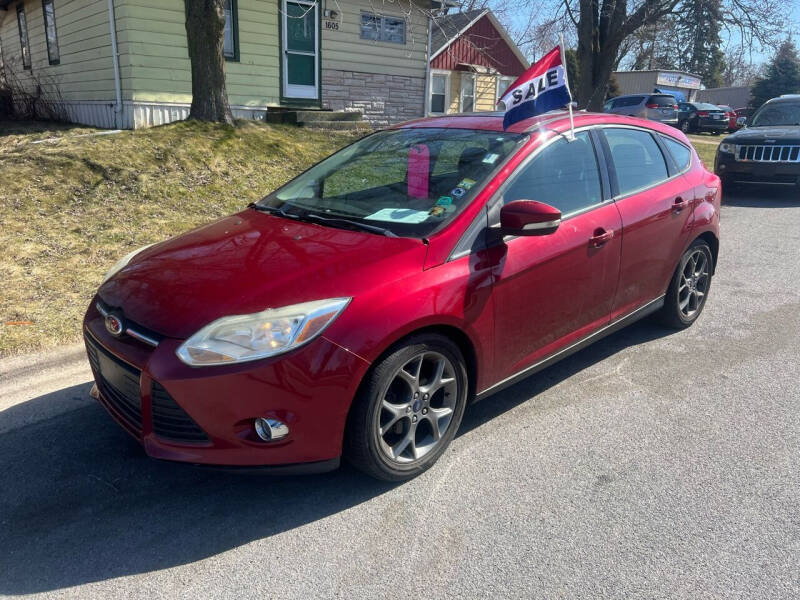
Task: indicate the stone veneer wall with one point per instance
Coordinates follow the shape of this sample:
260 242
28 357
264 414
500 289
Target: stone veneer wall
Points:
382 99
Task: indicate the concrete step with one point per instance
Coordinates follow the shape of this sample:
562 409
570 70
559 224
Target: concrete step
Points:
338 125
296 117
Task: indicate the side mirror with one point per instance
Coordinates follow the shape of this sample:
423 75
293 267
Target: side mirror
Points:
741 122
528 217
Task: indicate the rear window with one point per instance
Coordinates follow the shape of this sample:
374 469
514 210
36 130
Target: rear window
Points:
680 153
706 106
661 100
627 101
638 162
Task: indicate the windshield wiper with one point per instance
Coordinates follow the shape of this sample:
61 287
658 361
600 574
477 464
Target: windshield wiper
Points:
333 221
271 210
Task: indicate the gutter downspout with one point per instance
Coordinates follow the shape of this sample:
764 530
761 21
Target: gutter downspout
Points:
112 24
427 91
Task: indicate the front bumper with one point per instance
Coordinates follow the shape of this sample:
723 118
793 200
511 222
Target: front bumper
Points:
727 168
205 415
712 124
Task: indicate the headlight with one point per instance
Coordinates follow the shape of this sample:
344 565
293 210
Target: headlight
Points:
122 262
274 331
727 148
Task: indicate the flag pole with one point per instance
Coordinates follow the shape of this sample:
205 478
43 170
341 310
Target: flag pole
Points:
571 135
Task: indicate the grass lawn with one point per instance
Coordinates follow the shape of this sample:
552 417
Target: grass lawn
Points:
71 206
706 146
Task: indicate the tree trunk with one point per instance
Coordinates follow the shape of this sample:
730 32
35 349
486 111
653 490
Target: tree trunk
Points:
205 21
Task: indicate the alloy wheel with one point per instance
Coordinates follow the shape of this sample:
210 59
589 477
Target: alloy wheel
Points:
417 407
693 284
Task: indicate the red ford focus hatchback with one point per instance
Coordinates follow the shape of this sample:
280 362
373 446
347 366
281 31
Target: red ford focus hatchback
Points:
358 309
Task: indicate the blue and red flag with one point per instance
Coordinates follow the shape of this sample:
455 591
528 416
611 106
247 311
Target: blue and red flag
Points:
543 87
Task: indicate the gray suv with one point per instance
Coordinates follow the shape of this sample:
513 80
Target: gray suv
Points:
656 107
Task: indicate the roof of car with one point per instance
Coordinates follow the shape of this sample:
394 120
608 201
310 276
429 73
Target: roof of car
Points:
556 120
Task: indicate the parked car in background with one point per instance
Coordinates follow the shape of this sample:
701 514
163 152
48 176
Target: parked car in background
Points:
655 107
694 117
730 116
357 309
766 150
742 114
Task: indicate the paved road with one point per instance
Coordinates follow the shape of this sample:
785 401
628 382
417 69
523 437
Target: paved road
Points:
653 465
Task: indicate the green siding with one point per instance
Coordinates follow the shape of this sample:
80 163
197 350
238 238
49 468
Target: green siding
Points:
85 71
154 59
344 50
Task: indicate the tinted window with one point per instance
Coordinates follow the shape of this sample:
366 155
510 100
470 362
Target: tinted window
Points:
638 162
629 101
661 100
684 106
680 153
706 106
564 175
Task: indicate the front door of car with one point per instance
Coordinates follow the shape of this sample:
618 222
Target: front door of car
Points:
656 211
551 290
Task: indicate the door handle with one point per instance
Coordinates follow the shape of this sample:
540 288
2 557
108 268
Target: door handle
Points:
600 237
679 204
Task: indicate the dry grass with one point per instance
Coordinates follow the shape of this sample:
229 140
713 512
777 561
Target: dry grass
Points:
70 207
706 146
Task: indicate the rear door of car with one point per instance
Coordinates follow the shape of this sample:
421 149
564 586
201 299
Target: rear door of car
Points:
550 290
655 201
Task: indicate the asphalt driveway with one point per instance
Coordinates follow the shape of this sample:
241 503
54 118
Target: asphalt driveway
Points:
652 465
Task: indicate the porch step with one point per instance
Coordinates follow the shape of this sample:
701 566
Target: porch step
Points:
306 117
338 125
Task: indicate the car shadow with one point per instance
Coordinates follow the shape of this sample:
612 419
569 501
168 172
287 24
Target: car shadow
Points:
751 196
80 502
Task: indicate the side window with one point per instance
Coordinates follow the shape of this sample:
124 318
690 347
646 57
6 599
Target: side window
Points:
24 42
637 159
51 36
230 33
564 175
680 153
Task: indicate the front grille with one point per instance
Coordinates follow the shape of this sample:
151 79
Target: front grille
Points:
774 154
170 421
118 383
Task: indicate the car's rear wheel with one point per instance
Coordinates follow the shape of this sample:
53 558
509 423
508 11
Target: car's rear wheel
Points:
684 126
688 290
408 410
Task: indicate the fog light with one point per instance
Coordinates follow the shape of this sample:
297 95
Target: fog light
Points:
270 430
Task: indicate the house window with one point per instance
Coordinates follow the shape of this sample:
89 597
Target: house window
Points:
51 36
383 29
440 84
502 85
467 92
230 34
23 37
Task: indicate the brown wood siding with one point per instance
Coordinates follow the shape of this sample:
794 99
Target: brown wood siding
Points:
480 45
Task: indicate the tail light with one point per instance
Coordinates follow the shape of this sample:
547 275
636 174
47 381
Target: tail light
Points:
702 113
651 105
675 106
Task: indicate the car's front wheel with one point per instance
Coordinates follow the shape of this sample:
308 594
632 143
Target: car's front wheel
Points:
408 409
684 126
688 290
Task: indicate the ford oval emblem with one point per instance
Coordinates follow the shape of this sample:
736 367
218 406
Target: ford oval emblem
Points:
114 325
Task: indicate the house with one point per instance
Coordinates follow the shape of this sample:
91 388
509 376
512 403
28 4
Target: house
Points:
473 61
683 86
125 63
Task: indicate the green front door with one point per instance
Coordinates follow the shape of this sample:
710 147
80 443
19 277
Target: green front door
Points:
300 49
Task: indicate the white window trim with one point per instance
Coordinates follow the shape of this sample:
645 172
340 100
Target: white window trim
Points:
461 91
446 91
497 81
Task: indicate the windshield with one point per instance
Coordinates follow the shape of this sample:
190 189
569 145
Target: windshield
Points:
407 182
780 113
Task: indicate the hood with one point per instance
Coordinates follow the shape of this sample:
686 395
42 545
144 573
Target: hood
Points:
788 134
249 262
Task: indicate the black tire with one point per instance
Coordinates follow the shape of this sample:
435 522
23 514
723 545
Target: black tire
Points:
673 314
684 126
366 448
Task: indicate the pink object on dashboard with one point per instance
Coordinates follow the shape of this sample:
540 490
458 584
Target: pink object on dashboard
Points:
419 161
